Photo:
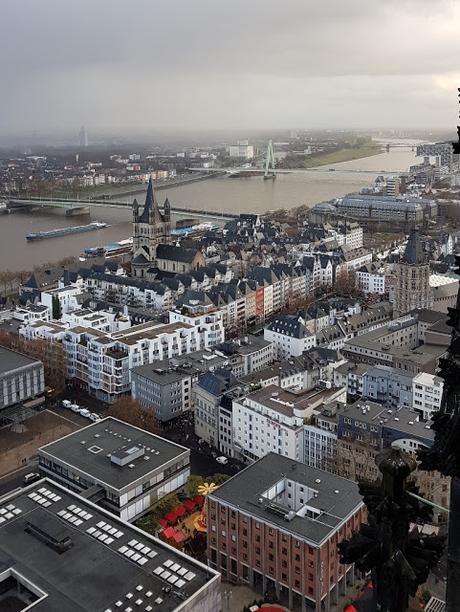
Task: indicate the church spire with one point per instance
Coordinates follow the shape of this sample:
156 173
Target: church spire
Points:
151 212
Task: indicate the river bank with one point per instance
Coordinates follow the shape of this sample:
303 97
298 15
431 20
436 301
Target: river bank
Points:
342 155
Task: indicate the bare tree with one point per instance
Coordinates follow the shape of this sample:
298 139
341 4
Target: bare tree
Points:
130 410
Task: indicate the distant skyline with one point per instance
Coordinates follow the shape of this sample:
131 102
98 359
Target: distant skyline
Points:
122 68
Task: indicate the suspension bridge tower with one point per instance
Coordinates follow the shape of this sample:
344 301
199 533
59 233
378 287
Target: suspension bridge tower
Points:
269 163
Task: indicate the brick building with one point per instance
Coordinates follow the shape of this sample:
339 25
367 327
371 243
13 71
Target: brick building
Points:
276 525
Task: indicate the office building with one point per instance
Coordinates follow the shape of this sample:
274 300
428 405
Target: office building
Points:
241 150
441 150
59 552
124 468
397 210
21 378
166 391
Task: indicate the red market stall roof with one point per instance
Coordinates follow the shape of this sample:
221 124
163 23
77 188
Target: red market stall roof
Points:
199 499
169 533
189 504
179 537
171 517
163 522
350 608
181 511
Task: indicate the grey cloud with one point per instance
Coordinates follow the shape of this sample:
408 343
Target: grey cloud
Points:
192 64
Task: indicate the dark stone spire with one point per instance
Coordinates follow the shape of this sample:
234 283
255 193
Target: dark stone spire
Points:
167 210
444 455
135 210
151 212
414 253
399 559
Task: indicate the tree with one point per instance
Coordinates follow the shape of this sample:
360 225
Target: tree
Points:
345 282
127 409
220 478
57 310
193 482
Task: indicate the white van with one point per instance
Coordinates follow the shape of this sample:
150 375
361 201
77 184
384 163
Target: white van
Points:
66 403
75 408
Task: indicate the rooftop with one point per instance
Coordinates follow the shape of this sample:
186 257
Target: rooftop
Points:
401 419
92 450
80 558
163 375
332 499
11 360
286 402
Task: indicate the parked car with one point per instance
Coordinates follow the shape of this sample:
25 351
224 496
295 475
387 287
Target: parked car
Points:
31 477
85 413
75 408
66 403
222 460
94 417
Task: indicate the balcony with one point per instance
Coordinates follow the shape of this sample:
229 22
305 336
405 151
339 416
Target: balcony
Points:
115 353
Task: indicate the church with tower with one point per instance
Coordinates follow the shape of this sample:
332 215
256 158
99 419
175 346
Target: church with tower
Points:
153 250
151 228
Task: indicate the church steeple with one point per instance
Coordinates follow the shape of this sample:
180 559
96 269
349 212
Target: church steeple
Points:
150 228
151 212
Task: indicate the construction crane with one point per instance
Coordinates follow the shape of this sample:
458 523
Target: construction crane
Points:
269 163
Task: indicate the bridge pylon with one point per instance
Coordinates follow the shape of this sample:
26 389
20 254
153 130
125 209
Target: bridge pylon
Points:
269 163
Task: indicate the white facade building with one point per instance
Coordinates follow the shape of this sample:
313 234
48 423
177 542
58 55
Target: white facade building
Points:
263 422
102 362
67 297
427 393
370 281
242 149
320 448
290 336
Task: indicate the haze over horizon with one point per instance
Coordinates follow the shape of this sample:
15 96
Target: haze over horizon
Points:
171 65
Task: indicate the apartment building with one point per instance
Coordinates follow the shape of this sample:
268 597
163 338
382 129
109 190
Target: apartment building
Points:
271 420
427 394
276 525
289 335
371 281
212 397
121 467
388 386
248 354
102 363
350 375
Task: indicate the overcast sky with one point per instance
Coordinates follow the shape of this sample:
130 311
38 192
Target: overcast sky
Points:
218 64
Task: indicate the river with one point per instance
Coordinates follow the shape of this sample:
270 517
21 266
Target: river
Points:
224 194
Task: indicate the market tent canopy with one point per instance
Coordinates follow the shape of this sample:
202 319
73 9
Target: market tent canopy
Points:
169 533
179 537
171 517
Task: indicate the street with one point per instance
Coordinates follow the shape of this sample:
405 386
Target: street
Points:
13 480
